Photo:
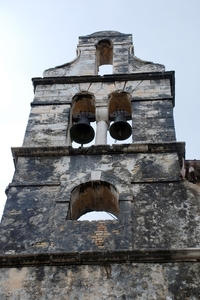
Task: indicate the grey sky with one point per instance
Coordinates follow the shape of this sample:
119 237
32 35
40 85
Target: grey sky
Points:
36 35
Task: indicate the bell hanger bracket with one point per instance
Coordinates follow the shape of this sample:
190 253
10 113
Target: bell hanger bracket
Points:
120 112
85 114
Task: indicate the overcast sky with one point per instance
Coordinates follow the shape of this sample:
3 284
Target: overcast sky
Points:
36 35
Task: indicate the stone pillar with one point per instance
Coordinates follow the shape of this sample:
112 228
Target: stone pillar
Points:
102 125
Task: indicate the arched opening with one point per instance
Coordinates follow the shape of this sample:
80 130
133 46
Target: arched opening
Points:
97 216
105 70
120 115
104 55
82 129
93 196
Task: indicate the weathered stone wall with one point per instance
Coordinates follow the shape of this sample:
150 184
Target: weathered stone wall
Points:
85 63
138 89
156 209
47 125
153 121
165 221
49 120
138 281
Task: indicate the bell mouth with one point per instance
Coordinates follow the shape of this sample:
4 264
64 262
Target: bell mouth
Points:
82 132
120 129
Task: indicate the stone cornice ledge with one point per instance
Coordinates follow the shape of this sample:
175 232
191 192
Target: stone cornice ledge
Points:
106 78
100 149
102 257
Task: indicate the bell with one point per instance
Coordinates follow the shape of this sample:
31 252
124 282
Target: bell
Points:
82 132
120 129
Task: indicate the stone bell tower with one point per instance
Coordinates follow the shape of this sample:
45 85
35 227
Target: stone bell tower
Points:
150 250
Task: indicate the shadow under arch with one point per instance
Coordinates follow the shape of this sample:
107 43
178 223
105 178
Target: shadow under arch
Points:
83 101
120 101
93 196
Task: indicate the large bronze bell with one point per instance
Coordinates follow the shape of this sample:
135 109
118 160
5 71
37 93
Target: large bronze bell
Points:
82 132
120 129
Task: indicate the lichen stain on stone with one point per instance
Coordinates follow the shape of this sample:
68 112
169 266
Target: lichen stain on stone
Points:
36 219
16 279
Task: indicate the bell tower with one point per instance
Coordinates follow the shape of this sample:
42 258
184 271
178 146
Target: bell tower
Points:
150 249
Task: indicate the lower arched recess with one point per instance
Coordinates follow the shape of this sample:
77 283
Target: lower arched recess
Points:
93 196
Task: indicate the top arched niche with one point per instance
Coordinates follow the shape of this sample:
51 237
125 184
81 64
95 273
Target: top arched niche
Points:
104 53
